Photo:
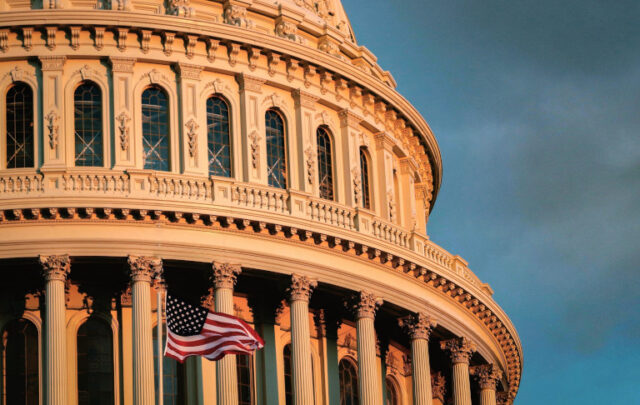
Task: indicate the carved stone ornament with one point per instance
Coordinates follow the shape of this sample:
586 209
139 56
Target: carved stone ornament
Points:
122 38
99 37
328 46
144 268
52 128
169 37
180 8
27 38
255 148
188 71
51 37
365 304
55 267
212 47
488 375
233 50
51 63
75 37
503 398
156 77
310 155
123 127
218 86
236 15
146 40
192 136
438 386
86 72
288 30
357 183
17 74
122 65
4 40
225 274
460 349
418 326
301 288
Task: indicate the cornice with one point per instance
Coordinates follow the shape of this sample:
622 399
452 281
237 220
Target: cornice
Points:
487 313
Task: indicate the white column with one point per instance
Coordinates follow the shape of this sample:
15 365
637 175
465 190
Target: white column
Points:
142 271
365 308
460 350
55 270
224 278
300 292
488 376
419 328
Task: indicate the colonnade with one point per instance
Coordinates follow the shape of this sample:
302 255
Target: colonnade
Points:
143 270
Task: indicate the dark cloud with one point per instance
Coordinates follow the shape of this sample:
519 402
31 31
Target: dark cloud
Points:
536 107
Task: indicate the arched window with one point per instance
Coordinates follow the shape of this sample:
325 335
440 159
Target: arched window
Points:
245 379
393 396
155 128
364 173
19 104
87 118
173 378
95 363
20 338
276 150
218 139
348 383
325 164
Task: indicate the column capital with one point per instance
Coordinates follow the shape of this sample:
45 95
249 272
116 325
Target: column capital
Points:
55 267
349 119
188 71
304 99
144 268
418 326
301 288
488 375
460 349
365 304
249 83
225 274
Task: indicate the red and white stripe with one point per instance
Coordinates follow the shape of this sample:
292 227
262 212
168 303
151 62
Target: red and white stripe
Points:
221 334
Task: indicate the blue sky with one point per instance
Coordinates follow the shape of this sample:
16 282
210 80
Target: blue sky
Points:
536 108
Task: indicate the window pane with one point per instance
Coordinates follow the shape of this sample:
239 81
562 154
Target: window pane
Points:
87 112
348 383
19 104
364 173
95 363
172 375
243 364
218 141
21 357
155 129
276 155
325 164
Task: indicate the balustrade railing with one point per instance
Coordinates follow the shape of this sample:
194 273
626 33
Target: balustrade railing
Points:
168 186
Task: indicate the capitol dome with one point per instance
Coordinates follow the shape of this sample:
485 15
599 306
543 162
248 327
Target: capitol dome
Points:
253 157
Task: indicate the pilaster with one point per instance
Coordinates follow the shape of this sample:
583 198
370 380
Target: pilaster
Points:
307 148
122 77
193 140
350 128
54 139
384 189
254 167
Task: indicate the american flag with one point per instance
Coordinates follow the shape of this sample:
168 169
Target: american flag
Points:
195 331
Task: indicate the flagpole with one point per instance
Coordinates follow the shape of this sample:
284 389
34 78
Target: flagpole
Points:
160 351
